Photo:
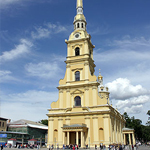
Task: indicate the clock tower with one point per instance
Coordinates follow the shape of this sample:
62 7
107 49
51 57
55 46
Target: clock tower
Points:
82 114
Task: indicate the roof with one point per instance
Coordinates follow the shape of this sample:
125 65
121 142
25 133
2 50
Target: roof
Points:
74 126
12 139
127 129
10 132
32 140
3 118
32 124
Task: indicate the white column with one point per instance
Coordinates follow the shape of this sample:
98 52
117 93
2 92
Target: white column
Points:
68 138
124 138
129 139
133 138
82 139
77 138
64 138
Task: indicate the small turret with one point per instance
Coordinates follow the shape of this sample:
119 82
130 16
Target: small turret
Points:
102 90
100 78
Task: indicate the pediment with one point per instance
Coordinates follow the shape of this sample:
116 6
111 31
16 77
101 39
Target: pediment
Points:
77 92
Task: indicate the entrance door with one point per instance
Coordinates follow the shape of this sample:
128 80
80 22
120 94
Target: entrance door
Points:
72 139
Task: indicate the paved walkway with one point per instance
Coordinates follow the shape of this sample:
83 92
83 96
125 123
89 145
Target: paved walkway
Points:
139 148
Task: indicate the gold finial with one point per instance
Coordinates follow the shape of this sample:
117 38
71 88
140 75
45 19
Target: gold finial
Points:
100 77
79 3
99 71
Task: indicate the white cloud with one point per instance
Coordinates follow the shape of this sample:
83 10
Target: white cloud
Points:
127 97
40 33
126 51
30 102
5 76
32 97
47 30
43 70
4 3
122 89
135 101
134 109
19 51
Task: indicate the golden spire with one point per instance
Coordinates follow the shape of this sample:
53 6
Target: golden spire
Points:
100 77
79 3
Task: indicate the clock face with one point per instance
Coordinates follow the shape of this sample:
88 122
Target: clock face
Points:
77 36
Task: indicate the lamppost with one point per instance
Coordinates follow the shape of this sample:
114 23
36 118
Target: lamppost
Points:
89 142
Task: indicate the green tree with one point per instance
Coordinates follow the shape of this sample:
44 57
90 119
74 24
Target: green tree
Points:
148 113
45 122
141 131
128 120
148 122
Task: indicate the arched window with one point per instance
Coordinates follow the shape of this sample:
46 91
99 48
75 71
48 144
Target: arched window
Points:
77 76
77 101
78 25
82 25
77 51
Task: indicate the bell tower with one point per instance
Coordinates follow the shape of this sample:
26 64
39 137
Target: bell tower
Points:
82 111
79 81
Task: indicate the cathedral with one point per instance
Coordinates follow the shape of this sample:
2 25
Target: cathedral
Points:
83 114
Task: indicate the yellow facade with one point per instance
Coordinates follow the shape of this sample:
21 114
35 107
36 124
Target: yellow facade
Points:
82 114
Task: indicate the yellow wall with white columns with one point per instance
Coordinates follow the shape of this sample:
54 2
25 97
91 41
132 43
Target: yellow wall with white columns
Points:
95 119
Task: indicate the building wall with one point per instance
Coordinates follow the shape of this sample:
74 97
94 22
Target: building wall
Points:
3 124
100 129
31 133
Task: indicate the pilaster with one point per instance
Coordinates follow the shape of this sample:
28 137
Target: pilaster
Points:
106 129
95 129
50 131
60 132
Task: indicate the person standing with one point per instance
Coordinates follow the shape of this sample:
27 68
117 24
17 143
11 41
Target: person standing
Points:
1 147
73 147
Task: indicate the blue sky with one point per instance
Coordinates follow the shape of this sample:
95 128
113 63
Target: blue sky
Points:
33 51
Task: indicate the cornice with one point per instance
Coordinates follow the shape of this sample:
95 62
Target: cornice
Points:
81 39
79 113
90 84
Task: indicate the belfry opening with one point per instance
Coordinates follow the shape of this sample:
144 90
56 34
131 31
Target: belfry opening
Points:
83 115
